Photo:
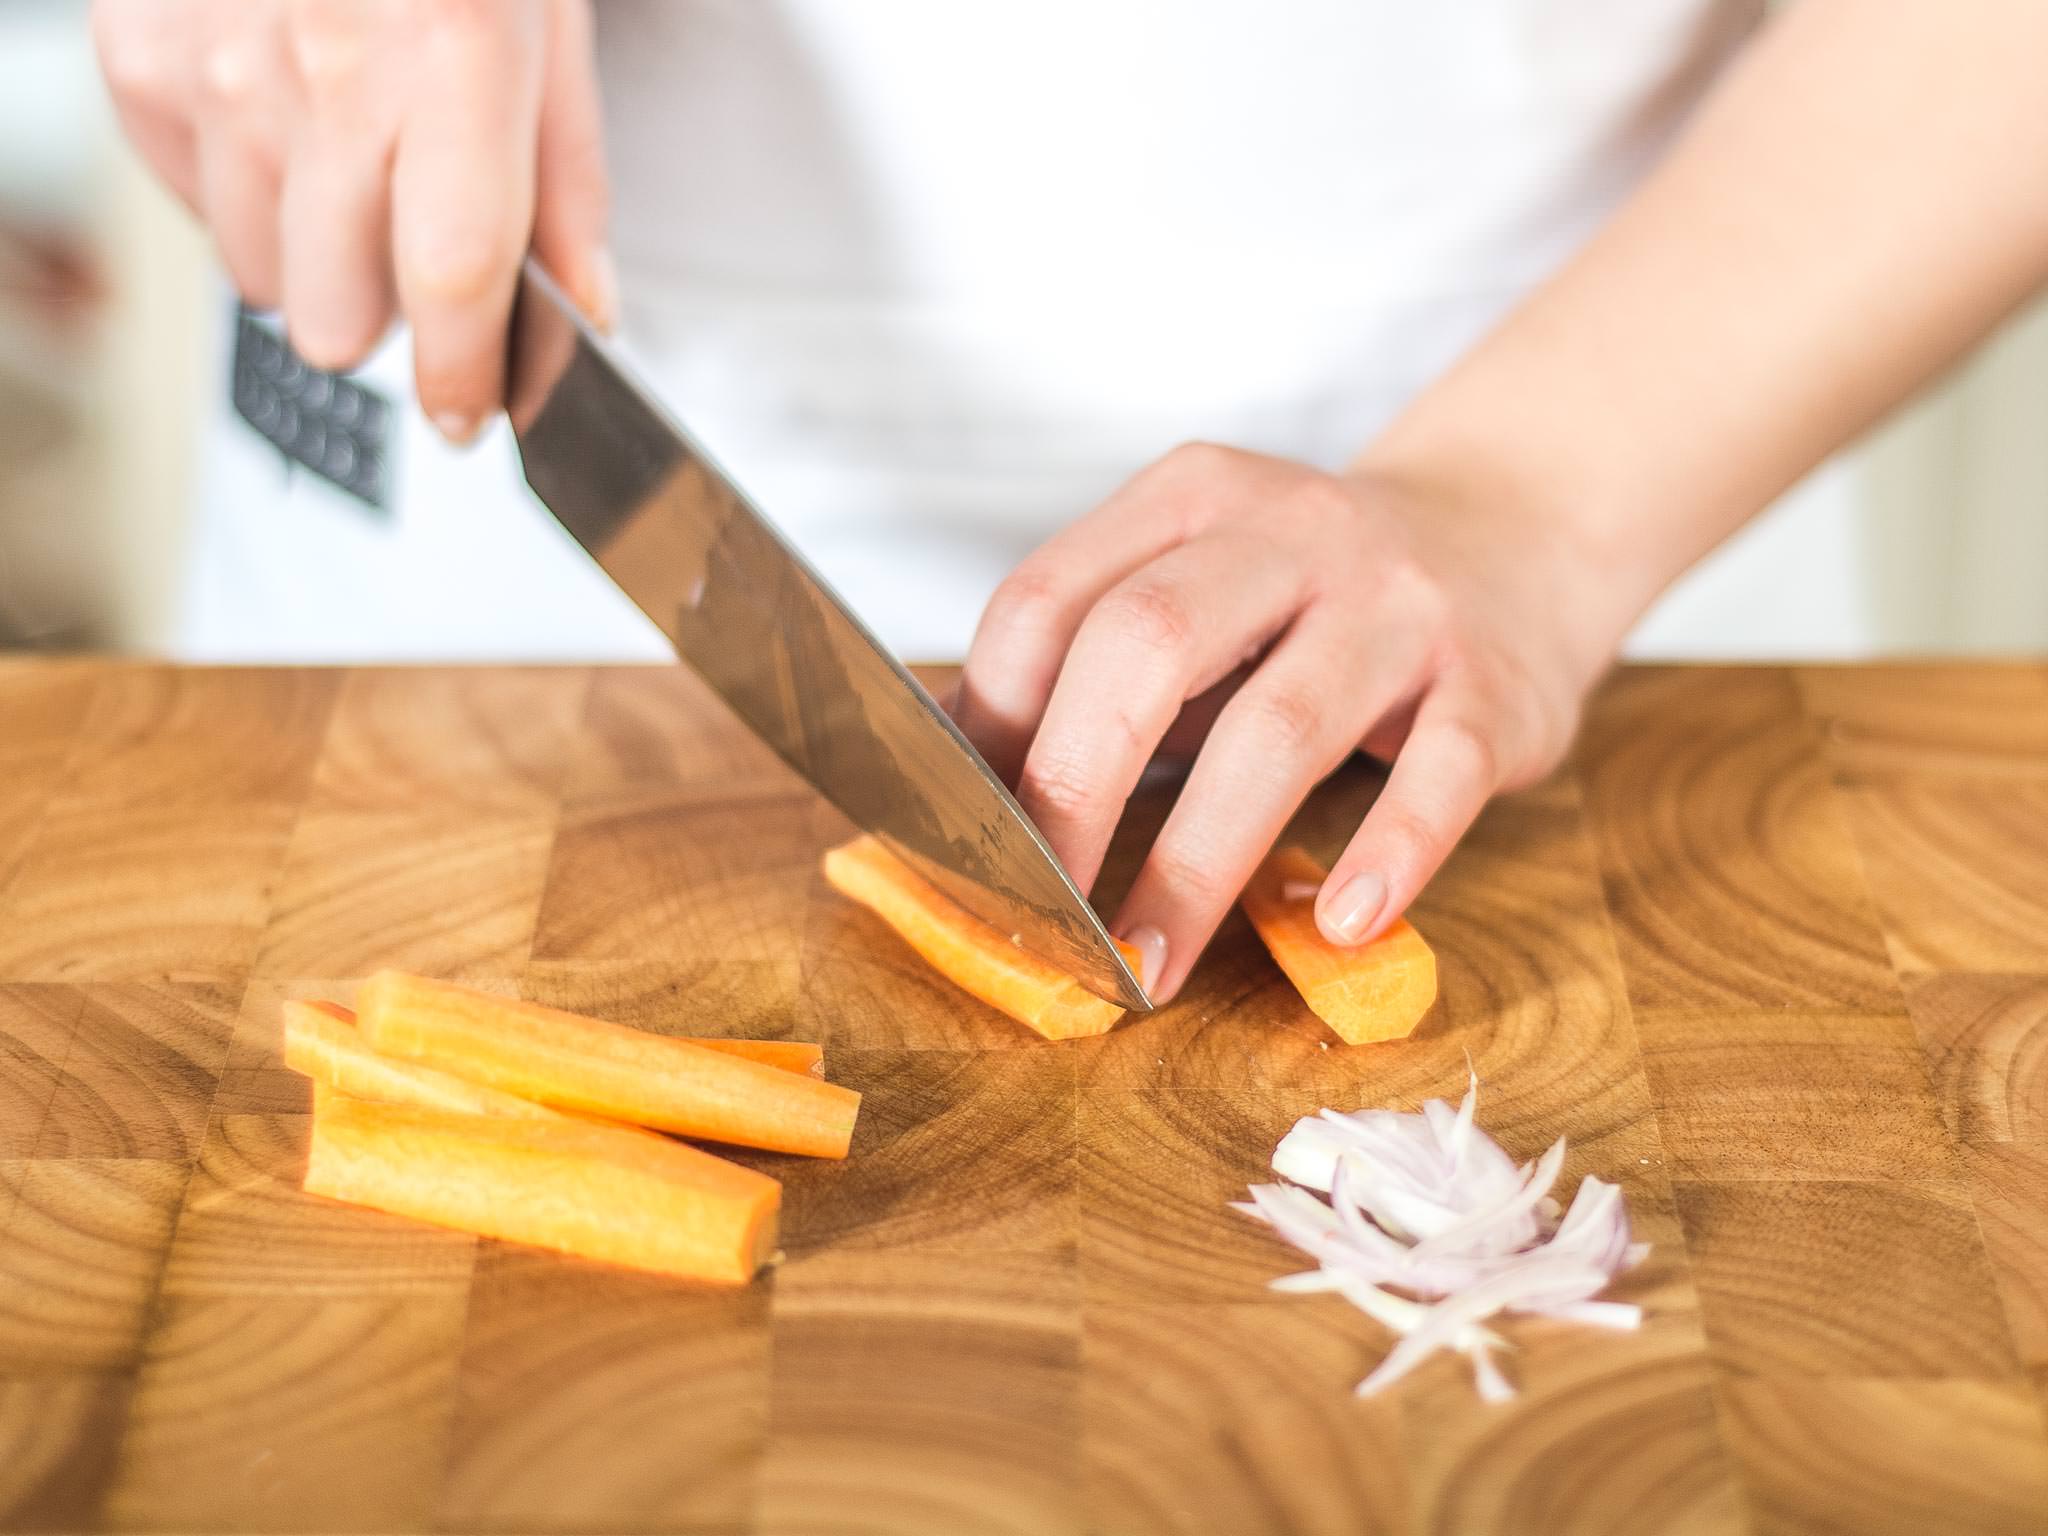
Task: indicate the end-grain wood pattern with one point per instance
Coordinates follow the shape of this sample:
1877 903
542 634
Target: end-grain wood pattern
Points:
1771 951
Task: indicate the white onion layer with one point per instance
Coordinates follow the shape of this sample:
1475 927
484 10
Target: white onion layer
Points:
1429 1205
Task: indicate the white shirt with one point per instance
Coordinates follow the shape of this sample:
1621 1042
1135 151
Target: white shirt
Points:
933 279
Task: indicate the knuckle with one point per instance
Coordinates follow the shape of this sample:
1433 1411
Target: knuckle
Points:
332 344
1150 615
329 43
1403 840
1288 718
1470 749
1192 875
1026 600
132 55
229 74
1058 785
464 15
459 266
1199 456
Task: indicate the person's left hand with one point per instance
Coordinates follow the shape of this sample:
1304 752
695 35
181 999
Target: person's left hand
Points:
1306 615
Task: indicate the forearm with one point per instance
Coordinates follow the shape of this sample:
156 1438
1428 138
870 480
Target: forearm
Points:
1864 197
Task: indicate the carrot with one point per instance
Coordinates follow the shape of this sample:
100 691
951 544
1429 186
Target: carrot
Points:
597 1068
322 1042
1378 991
789 1055
967 951
572 1185
799 1056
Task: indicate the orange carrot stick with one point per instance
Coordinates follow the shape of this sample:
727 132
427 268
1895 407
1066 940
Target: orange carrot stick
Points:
322 1042
604 1069
967 951
799 1056
572 1185
1377 991
790 1055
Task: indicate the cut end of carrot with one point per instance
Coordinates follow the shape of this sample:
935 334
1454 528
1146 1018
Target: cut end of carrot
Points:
578 1187
1376 991
975 957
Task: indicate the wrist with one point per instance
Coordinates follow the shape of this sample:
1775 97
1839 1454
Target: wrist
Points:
1552 543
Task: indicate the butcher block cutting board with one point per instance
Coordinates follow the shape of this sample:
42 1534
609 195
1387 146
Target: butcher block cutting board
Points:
1771 951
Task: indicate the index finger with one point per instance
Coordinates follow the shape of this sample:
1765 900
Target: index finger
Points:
462 203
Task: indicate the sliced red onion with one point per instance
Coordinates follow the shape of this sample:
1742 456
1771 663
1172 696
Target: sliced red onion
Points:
1428 1205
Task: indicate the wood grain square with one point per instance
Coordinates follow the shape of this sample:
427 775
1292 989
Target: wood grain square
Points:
58 1434
420 740
79 1258
445 896
1982 719
1959 873
247 1229
1793 1096
1610 1435
44 701
710 998
1888 1458
36 1026
1284 1446
1159 1168
22 800
37 1021
40 711
595 1399
285 1414
954 1153
1909 1291
151 893
1731 875
1986 1039
141 1072
971 1360
662 728
655 878
262 1091
199 737
2010 1187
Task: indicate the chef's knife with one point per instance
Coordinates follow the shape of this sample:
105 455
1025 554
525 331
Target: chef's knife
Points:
747 612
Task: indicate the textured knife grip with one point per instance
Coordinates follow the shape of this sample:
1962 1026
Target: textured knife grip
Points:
327 423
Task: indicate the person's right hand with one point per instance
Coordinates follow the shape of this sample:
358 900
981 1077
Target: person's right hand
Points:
357 159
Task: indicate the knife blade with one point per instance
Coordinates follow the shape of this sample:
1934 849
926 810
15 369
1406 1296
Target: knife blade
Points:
652 507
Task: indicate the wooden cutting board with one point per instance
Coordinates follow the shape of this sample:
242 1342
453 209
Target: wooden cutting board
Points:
1772 951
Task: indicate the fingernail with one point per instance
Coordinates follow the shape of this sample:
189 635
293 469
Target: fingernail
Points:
1349 914
604 291
1150 944
459 429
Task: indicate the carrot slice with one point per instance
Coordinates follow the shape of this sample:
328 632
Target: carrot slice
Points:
789 1055
1378 991
571 1062
967 951
572 1185
322 1042
799 1056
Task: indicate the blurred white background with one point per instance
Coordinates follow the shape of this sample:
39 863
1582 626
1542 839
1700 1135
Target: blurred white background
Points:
1930 536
